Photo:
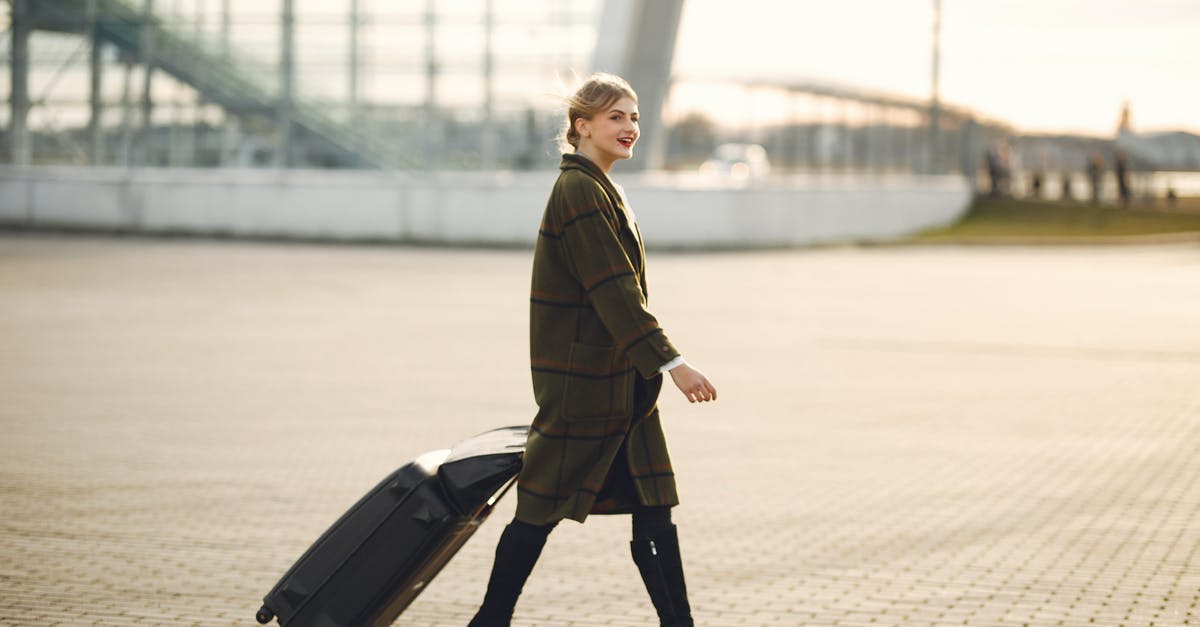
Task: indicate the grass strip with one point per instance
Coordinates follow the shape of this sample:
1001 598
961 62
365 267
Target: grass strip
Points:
994 219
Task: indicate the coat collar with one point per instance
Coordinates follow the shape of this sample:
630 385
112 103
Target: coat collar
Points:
579 162
583 164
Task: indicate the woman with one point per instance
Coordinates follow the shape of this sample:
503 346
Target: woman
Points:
596 445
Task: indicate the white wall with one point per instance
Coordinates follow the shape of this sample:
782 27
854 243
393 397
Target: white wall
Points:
468 208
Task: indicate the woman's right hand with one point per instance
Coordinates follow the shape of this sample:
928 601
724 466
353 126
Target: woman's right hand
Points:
694 385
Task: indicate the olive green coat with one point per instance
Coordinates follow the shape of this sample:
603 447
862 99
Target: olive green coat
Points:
590 338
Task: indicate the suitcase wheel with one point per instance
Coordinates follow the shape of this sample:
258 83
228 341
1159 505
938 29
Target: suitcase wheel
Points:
264 615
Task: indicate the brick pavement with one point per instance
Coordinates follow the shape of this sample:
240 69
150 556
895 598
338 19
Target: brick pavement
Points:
905 436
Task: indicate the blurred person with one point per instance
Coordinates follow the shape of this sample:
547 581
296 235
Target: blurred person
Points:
1095 170
1006 167
1067 193
1039 176
596 445
999 167
1121 170
1035 185
992 159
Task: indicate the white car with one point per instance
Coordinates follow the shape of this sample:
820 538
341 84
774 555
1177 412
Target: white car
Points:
740 161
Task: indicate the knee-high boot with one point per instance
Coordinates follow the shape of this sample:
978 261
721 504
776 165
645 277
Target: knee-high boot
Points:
516 553
659 562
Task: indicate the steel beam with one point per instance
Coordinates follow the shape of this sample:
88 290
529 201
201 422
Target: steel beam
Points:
95 95
287 72
147 60
20 145
433 125
636 40
487 149
352 66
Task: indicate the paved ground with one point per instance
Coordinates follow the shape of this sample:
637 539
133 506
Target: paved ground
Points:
916 436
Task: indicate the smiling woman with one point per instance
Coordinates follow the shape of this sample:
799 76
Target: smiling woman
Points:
596 445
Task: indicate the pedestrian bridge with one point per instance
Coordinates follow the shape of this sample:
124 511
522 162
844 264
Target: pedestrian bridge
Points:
858 177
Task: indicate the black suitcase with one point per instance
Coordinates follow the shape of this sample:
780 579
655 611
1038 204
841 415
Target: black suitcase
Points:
374 561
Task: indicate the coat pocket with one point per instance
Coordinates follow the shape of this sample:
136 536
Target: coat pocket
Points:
597 387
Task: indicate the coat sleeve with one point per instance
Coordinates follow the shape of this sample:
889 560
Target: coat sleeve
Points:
592 249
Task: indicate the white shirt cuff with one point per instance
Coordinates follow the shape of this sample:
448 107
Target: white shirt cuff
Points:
671 364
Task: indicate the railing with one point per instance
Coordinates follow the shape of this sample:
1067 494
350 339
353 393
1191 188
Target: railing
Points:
236 81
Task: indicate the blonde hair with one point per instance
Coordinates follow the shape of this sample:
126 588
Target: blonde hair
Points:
596 94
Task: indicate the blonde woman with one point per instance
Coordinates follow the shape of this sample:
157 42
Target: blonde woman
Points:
596 445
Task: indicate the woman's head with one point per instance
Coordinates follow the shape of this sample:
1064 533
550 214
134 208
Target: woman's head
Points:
597 94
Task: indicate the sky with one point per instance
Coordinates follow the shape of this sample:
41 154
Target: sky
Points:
1040 65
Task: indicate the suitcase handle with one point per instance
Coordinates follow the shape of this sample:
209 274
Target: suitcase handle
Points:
499 495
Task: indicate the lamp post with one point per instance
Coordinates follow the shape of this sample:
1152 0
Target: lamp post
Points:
934 99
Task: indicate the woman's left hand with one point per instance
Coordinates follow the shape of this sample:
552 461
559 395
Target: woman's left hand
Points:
694 385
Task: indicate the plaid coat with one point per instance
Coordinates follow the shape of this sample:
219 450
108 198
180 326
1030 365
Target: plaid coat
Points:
595 353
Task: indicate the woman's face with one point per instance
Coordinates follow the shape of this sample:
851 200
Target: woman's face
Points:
610 134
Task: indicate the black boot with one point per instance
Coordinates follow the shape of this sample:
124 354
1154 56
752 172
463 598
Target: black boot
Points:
659 562
672 566
516 553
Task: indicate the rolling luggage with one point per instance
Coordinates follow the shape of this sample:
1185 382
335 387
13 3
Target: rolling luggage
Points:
374 561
